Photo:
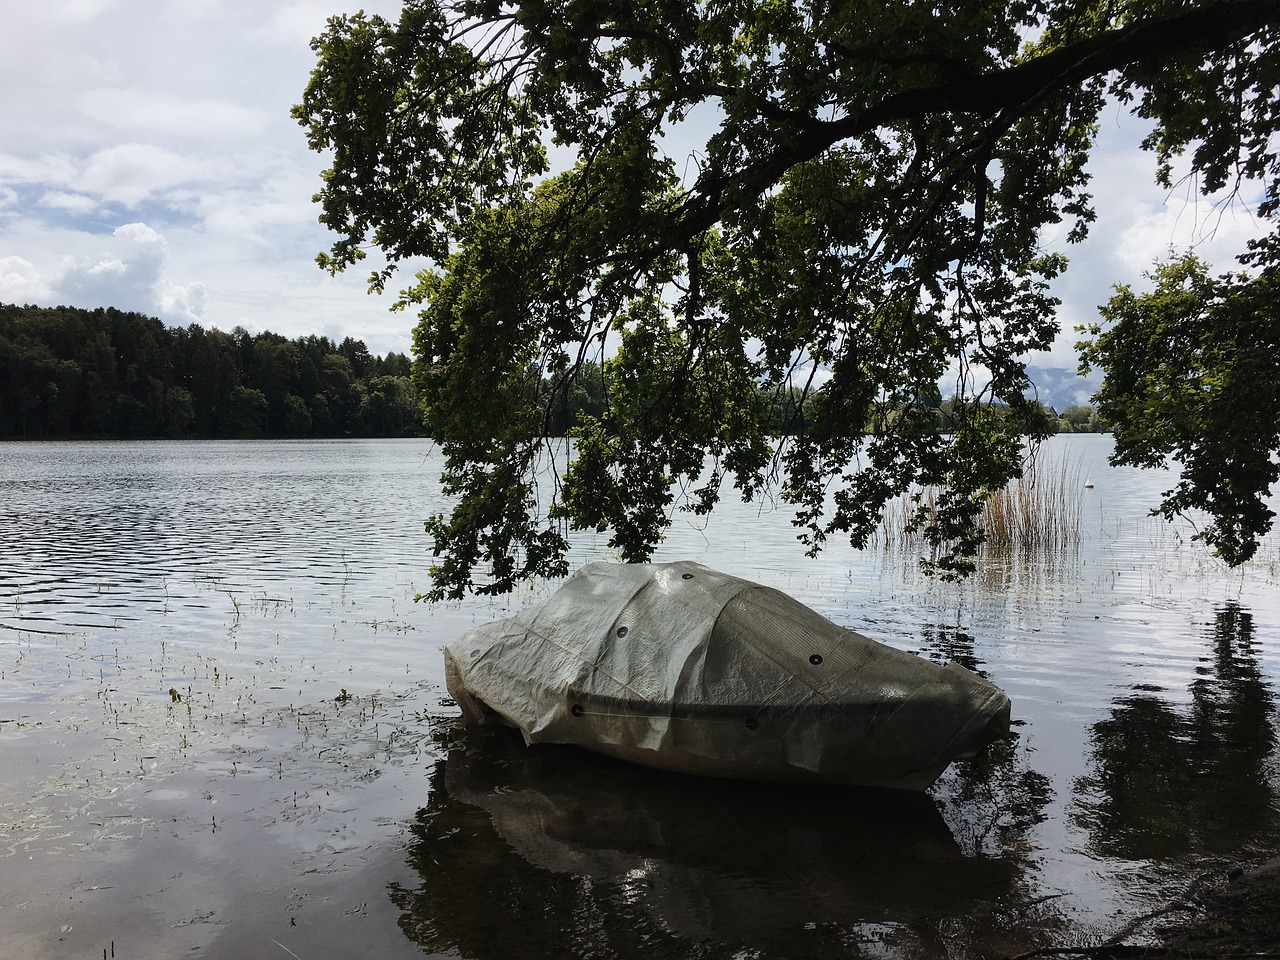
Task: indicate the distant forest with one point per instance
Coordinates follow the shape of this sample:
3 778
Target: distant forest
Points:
69 372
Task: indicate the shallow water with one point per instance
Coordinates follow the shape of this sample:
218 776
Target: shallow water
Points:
224 732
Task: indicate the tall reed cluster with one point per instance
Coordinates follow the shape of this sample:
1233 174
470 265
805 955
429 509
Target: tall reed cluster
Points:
1036 516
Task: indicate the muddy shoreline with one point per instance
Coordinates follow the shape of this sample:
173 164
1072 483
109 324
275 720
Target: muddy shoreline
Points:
1232 914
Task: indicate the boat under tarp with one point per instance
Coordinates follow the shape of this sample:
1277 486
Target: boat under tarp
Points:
680 667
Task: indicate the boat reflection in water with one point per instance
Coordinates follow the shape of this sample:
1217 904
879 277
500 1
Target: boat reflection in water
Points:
553 851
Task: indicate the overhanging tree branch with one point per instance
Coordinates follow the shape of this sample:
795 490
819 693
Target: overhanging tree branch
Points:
873 198
1009 92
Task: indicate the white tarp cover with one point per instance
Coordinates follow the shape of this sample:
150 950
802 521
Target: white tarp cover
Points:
683 668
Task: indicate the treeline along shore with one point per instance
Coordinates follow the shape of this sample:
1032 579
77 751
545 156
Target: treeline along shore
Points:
72 373
67 372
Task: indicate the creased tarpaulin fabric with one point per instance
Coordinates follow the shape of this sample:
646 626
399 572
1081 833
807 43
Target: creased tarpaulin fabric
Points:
683 668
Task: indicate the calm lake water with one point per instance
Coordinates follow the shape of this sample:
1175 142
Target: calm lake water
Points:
224 733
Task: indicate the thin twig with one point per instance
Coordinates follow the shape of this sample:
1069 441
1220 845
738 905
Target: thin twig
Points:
286 949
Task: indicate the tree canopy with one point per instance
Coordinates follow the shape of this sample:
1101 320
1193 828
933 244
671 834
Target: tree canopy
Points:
843 203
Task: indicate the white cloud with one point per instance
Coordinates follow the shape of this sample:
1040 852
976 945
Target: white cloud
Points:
180 112
106 269
298 22
46 168
75 11
181 304
20 281
132 172
73 202
1216 233
126 173
132 275
152 112
140 234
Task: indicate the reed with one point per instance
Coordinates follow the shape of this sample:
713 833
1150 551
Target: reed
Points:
1036 516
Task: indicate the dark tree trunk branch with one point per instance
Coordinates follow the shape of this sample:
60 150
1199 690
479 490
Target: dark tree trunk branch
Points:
1010 92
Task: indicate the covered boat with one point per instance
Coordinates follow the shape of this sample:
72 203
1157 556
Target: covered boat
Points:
683 668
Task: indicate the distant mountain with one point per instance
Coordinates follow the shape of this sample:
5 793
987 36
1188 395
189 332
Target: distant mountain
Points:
1061 387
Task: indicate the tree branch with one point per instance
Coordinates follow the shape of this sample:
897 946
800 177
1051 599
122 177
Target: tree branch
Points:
1012 91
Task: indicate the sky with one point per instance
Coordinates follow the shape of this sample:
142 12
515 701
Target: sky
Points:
148 162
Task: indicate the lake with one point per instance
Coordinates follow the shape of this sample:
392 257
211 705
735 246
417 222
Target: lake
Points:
224 733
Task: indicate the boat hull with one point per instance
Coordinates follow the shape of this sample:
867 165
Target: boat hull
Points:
682 668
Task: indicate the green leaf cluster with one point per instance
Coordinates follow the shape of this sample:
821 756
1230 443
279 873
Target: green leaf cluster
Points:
1193 376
